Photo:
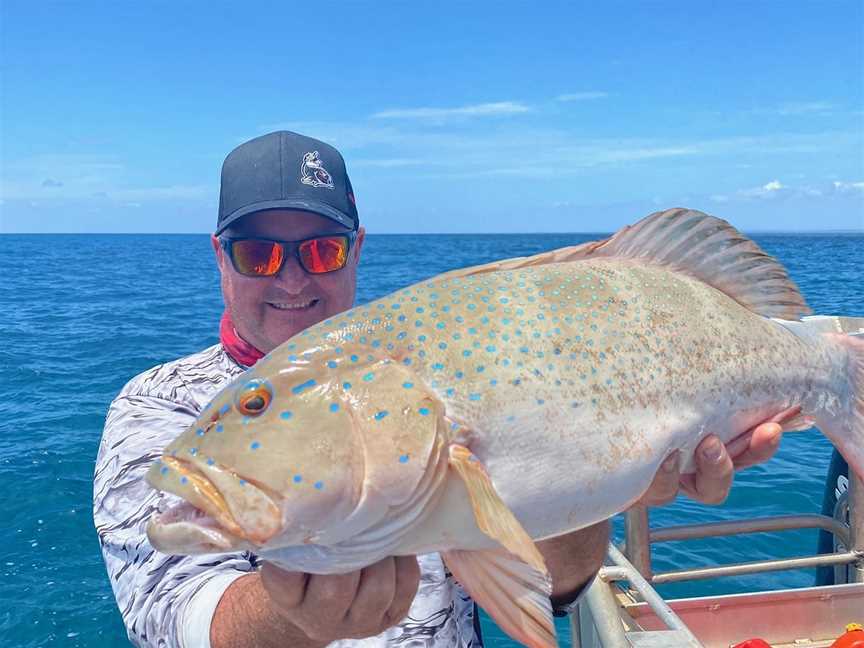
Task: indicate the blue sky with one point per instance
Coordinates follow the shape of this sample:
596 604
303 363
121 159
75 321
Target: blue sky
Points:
452 117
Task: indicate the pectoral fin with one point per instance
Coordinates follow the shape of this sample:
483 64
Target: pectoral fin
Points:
512 592
512 584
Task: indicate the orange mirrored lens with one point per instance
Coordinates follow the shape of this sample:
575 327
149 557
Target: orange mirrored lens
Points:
324 254
258 257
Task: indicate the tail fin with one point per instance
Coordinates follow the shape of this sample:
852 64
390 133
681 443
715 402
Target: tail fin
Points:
846 428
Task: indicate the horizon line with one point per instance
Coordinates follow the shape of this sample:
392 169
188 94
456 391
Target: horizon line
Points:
478 233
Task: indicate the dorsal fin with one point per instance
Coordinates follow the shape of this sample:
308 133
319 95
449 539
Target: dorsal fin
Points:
710 250
684 240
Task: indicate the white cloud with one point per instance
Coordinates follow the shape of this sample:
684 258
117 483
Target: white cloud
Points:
805 108
475 110
387 163
797 108
768 190
848 187
582 96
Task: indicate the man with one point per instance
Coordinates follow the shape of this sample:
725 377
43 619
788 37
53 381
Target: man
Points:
287 244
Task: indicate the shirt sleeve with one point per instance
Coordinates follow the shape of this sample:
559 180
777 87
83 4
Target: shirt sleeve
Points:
164 600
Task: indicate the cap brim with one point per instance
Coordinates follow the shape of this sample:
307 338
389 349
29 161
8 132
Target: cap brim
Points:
290 203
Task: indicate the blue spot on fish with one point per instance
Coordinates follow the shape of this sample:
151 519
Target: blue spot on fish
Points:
193 451
254 445
331 364
474 397
424 411
210 461
220 428
224 409
183 480
319 485
407 385
369 376
199 432
403 458
354 358
380 415
346 385
284 416
164 470
303 386
298 479
334 407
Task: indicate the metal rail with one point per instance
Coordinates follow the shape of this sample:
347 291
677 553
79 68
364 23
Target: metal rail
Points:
756 567
754 525
856 526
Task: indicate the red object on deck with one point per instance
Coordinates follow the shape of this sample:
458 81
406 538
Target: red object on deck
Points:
752 643
852 638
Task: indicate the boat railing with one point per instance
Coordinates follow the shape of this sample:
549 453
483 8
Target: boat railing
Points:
603 619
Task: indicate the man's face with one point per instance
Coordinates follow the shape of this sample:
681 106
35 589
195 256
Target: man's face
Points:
266 311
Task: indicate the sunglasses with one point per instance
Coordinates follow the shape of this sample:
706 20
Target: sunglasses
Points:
265 257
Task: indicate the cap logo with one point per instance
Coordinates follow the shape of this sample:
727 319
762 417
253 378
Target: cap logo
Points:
313 173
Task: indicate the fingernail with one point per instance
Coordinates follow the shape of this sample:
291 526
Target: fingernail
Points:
671 463
713 450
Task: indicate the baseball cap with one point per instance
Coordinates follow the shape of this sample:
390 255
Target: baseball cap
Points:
285 170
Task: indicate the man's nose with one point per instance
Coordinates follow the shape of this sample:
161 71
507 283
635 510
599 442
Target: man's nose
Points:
292 276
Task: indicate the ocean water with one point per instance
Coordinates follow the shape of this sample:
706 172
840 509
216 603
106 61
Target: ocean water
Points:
83 314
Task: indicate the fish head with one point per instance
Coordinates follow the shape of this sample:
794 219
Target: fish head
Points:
310 450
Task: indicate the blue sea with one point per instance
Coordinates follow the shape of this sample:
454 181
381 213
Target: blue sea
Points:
81 314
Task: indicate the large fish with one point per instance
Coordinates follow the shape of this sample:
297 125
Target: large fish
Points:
484 408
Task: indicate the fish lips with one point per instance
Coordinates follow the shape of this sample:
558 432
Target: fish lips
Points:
185 529
220 511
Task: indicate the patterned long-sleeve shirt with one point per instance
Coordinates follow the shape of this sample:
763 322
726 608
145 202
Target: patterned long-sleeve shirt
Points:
170 600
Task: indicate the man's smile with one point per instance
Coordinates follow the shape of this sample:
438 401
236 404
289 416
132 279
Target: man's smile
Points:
296 304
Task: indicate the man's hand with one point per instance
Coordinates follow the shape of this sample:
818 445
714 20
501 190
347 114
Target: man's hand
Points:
715 465
359 604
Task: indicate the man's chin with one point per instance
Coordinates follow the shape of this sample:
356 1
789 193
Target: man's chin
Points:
282 324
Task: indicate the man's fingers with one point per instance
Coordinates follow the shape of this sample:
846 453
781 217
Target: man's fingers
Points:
330 595
374 592
407 582
762 444
665 485
286 588
713 478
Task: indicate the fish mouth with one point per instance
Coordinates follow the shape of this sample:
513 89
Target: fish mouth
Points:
184 528
206 519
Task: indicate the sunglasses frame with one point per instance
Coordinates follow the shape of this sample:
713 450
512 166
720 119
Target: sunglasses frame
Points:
226 243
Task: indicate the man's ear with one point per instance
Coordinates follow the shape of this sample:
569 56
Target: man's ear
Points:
217 248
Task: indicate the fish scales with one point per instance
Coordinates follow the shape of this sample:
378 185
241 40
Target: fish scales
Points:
475 412
533 360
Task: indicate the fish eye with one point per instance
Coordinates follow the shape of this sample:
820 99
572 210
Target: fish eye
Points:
254 397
